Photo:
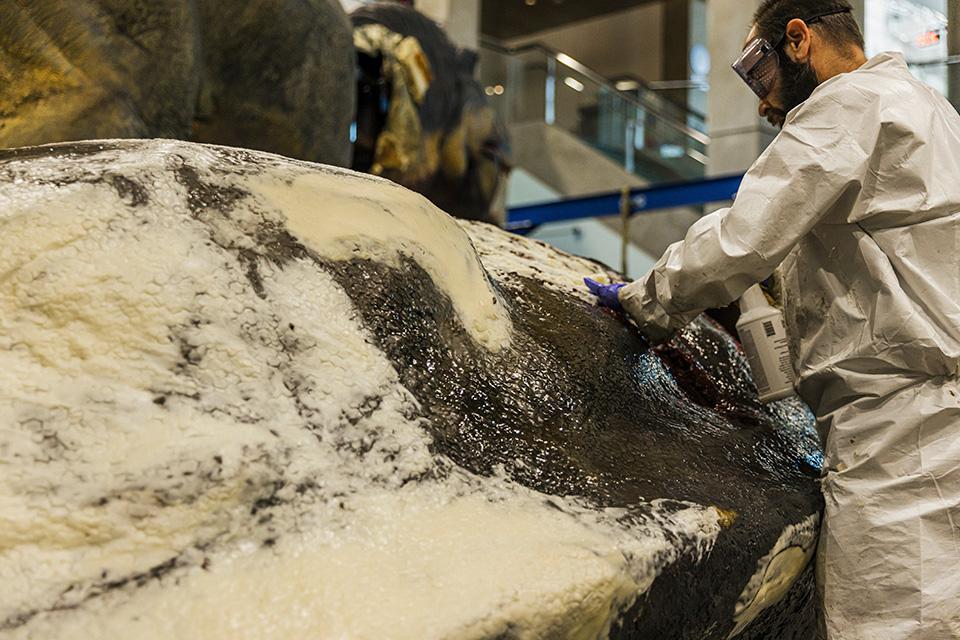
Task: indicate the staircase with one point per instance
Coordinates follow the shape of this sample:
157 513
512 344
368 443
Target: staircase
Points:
572 131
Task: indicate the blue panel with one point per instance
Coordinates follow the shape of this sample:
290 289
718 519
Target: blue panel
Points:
535 215
684 194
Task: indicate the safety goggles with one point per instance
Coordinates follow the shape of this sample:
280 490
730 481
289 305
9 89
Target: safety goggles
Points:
759 63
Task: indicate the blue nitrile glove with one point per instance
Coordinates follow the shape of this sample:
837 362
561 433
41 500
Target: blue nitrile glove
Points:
609 294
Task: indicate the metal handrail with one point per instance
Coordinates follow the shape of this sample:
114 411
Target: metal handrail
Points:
595 77
670 85
587 71
656 87
936 63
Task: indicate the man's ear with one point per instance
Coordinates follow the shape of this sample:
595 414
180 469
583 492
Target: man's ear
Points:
798 40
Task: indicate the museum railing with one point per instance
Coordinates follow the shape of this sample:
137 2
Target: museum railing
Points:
647 134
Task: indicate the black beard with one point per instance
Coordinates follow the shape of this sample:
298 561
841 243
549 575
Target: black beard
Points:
798 81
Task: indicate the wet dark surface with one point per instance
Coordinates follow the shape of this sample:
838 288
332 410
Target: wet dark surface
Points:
579 405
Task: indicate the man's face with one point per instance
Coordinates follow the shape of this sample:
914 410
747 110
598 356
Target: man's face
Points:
794 83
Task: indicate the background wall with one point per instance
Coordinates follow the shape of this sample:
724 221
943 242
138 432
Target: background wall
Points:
624 43
459 18
350 5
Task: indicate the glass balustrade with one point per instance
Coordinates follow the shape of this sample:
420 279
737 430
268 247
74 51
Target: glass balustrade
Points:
942 75
648 135
645 133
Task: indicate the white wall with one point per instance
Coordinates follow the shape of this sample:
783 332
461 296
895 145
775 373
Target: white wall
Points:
589 237
459 18
523 189
738 135
350 5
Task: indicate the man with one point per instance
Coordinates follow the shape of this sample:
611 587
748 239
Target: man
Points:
858 202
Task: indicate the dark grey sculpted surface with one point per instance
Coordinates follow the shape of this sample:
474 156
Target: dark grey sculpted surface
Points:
255 384
275 75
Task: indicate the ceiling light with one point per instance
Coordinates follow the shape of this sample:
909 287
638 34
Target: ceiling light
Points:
563 58
498 90
573 83
671 151
627 85
530 3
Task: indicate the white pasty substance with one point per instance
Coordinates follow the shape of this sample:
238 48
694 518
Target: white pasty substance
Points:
184 457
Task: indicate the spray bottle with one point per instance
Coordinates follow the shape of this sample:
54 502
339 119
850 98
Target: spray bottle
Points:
764 339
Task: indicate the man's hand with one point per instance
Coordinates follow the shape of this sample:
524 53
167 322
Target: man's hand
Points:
608 294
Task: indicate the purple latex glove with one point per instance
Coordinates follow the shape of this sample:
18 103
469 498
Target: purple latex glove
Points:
609 294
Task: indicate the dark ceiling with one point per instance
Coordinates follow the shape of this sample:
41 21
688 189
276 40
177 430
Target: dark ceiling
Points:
506 19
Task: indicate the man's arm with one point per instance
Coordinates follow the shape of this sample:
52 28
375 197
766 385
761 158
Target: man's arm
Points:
817 163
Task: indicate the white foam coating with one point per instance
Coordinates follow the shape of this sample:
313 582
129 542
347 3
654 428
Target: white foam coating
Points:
508 256
416 564
381 221
776 572
182 457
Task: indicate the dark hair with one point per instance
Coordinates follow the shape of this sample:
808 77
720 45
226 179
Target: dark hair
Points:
841 29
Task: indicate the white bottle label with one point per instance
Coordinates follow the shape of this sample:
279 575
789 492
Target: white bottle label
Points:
768 353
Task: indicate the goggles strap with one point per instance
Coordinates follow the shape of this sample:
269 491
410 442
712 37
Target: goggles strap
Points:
812 20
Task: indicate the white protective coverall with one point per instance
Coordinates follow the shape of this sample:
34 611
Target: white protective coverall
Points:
858 201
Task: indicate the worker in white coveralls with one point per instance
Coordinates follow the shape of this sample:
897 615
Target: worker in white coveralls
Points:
857 201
